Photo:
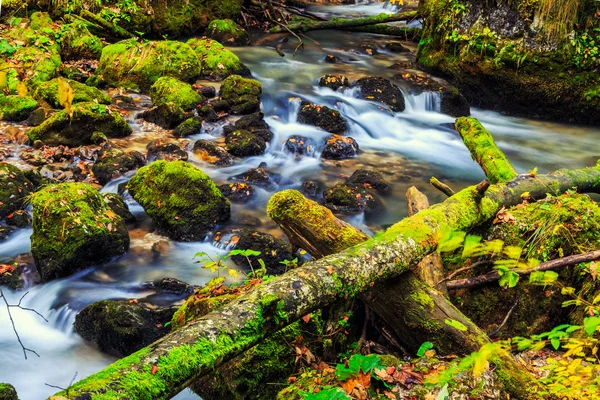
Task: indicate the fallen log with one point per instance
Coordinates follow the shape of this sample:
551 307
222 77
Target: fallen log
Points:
337 23
111 28
409 34
493 276
164 368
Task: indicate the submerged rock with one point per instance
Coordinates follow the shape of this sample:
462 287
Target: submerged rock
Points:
212 153
79 129
322 117
74 228
272 251
16 108
112 163
217 62
243 95
170 285
339 147
183 201
14 189
121 327
227 31
381 90
82 93
171 90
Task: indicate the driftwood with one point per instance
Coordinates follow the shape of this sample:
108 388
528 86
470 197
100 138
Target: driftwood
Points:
442 187
196 349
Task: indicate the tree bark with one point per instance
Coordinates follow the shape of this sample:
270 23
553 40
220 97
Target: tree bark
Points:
337 23
483 149
164 368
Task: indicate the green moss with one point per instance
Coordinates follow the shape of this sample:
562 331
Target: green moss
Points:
16 108
79 129
73 228
82 93
217 62
131 64
14 189
227 31
243 95
422 298
77 42
8 392
168 89
188 127
40 20
43 63
181 199
242 143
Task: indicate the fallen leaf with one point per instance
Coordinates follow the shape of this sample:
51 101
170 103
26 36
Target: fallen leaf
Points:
154 369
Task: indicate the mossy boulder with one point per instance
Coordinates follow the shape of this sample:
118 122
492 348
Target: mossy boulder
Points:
243 95
77 42
381 90
322 117
339 147
8 392
48 91
43 63
16 108
227 31
171 90
242 143
211 153
112 163
217 62
272 251
81 128
189 127
74 228
131 64
120 327
14 189
40 20
183 201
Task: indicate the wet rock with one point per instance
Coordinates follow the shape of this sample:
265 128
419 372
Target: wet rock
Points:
79 129
8 392
116 203
212 153
339 147
333 82
322 117
112 163
165 115
5 232
209 113
216 61
207 91
14 189
16 108
132 64
300 145
258 176
189 127
312 188
246 220
243 95
242 143
272 251
183 201
160 150
237 192
170 285
227 31
349 200
381 90
221 106
19 219
74 228
369 49
122 327
171 90
253 123
369 179
36 117
396 47
331 59
454 103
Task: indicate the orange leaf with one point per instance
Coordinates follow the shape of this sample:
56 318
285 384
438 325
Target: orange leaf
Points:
306 318
154 369
330 269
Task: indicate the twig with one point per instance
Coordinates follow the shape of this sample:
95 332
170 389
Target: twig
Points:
363 336
545 266
505 320
8 306
442 187
62 388
458 271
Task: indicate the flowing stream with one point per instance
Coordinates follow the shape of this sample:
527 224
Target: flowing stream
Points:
407 147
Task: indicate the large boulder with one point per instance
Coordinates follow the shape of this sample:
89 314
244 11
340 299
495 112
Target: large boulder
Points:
81 128
243 95
14 189
49 92
322 117
171 90
217 62
227 31
131 64
381 90
273 251
183 201
122 327
74 228
112 163
16 108
77 42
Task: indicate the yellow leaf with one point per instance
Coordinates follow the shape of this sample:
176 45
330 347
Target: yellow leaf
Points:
594 269
234 273
21 89
480 366
110 214
65 95
3 80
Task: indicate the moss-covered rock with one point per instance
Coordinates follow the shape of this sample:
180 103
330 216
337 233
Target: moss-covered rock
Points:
190 126
77 42
78 129
122 327
40 20
14 189
112 162
322 117
243 95
132 64
116 203
42 63
8 392
217 62
48 91
253 123
242 143
171 90
211 153
183 201
381 90
16 108
272 251
227 31
74 228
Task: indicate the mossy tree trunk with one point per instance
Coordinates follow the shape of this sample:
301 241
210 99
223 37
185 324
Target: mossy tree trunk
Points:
164 368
